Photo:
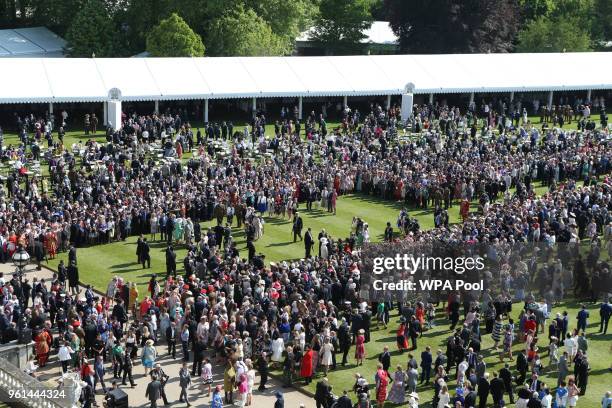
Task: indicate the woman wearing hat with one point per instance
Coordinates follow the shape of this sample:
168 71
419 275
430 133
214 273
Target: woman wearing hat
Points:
360 347
149 354
382 381
396 395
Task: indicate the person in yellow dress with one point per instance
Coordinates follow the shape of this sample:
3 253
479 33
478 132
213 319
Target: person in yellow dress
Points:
229 382
133 297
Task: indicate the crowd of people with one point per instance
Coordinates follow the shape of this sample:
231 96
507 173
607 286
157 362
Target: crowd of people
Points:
235 310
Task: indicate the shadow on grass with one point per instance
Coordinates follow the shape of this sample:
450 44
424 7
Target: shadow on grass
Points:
123 265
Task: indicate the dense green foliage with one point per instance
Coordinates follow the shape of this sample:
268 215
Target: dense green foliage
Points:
341 23
242 32
91 32
269 27
551 35
173 37
454 26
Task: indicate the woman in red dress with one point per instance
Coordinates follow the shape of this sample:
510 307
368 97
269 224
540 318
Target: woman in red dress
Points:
464 210
43 341
420 313
402 341
306 365
382 381
51 243
399 186
360 347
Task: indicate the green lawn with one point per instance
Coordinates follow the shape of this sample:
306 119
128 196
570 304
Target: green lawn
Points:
598 352
99 263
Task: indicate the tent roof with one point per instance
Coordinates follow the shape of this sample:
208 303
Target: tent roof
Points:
139 79
30 42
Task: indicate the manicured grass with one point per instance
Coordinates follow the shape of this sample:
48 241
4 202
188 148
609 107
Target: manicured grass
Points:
598 353
99 263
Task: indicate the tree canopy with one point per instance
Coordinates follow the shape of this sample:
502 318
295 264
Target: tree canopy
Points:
91 32
269 27
340 24
550 35
173 37
242 32
454 26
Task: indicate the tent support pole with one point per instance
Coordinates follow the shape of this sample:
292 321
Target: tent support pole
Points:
407 102
344 101
105 109
206 110
471 98
254 106
300 108
431 98
512 96
589 95
388 102
550 99
156 107
50 108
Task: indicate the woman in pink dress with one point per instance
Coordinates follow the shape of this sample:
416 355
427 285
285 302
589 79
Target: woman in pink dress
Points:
360 347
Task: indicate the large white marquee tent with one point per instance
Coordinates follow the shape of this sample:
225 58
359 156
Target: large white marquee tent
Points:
48 80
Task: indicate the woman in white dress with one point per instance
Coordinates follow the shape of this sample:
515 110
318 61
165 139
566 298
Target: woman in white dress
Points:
250 381
324 251
324 198
258 224
326 355
443 397
366 233
278 345
188 231
154 225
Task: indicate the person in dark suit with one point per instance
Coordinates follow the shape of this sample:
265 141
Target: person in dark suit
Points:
153 392
169 229
534 383
344 401
521 366
414 329
171 339
308 243
119 312
262 366
251 249
385 359
426 360
483 390
298 224
389 232
322 393
145 255
199 347
344 339
470 397
497 388
73 278
506 376
72 255
126 367
139 249
39 252
170 261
